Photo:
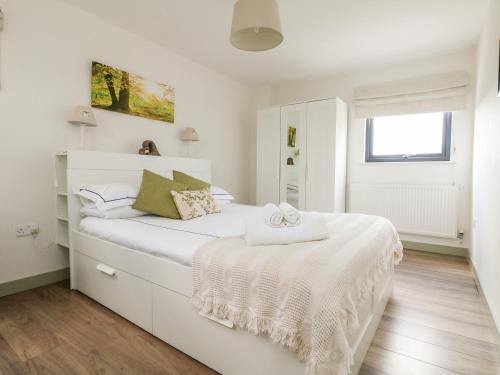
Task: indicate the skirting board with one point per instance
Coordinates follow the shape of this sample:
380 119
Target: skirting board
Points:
439 249
16 286
483 297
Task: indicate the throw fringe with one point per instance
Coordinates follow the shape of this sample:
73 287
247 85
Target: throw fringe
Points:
339 355
354 299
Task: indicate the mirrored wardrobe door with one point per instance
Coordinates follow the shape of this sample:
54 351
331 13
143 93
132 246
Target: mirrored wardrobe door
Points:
293 155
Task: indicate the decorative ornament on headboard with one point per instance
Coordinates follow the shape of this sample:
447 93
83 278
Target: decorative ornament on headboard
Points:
149 148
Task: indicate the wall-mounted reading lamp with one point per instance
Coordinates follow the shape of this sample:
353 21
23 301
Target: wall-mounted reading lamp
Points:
83 117
190 135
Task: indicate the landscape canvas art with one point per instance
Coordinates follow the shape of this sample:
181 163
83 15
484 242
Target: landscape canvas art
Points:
119 91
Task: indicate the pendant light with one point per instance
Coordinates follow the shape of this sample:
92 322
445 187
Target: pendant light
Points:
256 25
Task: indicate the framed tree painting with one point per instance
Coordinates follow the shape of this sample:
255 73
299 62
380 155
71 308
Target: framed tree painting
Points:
119 91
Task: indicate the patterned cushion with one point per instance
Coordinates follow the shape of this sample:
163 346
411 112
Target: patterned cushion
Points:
194 203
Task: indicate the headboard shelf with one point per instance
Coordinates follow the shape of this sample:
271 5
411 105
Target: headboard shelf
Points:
80 168
98 160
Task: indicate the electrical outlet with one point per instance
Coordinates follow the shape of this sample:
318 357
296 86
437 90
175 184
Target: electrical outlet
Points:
23 230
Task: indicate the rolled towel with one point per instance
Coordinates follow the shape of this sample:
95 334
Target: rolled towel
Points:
312 228
290 214
272 215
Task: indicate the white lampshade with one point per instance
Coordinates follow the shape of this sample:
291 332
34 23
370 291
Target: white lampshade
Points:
82 116
190 135
256 25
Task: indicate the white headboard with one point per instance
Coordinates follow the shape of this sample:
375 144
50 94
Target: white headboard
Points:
93 167
86 168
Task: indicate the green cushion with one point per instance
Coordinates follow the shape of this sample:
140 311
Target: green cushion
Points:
191 182
154 196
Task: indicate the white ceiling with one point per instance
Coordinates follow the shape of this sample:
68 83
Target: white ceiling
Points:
321 36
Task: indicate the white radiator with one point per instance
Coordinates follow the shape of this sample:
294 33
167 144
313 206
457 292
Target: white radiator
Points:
430 210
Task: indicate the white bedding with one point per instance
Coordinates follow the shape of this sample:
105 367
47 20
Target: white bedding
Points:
176 240
307 296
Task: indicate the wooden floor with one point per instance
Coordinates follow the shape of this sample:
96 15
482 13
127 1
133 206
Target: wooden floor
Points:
434 324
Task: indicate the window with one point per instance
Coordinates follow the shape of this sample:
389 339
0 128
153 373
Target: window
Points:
421 137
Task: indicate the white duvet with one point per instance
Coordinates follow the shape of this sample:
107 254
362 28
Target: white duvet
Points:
176 240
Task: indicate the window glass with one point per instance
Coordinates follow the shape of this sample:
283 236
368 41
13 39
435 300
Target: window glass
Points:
410 137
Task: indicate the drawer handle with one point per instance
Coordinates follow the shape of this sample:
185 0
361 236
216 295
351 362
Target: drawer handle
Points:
225 323
106 269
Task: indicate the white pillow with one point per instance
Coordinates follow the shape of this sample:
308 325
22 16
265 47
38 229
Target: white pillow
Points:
107 196
123 212
221 203
220 194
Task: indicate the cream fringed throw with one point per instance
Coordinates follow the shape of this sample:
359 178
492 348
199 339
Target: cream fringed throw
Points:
303 296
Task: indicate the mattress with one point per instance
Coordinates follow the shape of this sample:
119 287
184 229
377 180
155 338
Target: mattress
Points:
176 240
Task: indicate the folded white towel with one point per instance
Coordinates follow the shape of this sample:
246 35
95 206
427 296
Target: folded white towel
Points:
290 214
272 215
312 228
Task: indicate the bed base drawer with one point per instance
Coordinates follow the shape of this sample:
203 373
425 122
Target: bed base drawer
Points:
229 351
382 288
125 294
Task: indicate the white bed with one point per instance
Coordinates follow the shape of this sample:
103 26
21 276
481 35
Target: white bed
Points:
176 240
140 268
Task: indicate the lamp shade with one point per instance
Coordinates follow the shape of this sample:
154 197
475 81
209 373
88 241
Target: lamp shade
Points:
82 116
256 25
190 134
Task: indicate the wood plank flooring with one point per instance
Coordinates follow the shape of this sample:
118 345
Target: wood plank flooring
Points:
435 324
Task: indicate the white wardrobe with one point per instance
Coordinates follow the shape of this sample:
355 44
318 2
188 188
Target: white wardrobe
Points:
301 155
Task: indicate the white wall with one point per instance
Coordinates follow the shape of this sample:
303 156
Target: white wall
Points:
46 53
458 172
486 177
261 97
